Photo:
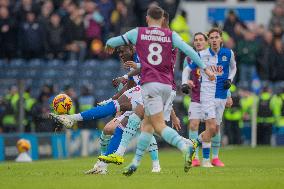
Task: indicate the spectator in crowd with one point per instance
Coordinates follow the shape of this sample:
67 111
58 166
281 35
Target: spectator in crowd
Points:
56 3
246 51
277 16
277 31
259 31
247 102
93 22
8 34
233 118
31 37
5 3
106 7
140 9
86 101
263 57
179 24
46 10
265 116
55 37
46 90
9 111
23 7
277 63
230 24
40 111
74 34
119 19
279 110
29 102
62 10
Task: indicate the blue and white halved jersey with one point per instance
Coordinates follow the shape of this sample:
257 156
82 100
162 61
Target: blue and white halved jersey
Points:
223 65
135 78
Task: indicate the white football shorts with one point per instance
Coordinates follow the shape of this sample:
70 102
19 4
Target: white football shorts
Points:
194 111
155 96
213 109
134 94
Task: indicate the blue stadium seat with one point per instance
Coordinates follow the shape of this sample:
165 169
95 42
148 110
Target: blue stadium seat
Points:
36 63
17 63
71 63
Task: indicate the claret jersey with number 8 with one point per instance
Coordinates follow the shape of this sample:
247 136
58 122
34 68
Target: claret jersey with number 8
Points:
154 48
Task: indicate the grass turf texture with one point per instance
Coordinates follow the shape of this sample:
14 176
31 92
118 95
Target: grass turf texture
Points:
262 167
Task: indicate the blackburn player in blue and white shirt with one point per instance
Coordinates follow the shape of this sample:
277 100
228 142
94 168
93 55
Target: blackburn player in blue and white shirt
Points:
213 93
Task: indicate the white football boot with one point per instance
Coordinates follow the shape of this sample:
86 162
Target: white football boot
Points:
206 163
156 168
99 168
63 119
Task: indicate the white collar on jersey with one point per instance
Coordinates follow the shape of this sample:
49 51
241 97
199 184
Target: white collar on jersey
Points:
155 26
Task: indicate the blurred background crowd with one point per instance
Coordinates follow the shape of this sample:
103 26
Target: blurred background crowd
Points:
77 30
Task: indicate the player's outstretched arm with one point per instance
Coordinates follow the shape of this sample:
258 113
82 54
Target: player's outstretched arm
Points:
128 37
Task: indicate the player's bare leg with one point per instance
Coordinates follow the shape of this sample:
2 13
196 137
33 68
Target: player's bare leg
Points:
107 133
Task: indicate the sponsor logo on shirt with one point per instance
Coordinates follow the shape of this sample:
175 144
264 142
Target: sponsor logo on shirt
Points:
217 70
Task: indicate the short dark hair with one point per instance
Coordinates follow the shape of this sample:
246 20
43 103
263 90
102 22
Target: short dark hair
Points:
200 33
214 30
155 12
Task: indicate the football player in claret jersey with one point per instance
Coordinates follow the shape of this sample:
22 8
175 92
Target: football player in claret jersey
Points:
153 45
136 118
213 93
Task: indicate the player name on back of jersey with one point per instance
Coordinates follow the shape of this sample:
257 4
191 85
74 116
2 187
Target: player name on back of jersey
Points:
155 35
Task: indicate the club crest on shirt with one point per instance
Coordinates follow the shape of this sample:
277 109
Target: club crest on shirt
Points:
224 58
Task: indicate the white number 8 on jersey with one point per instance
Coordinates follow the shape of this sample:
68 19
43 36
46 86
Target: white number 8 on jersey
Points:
155 49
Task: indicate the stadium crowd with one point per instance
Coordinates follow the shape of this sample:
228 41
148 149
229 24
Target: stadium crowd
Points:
66 29
70 29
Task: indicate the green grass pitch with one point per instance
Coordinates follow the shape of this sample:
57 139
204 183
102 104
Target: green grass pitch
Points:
262 167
